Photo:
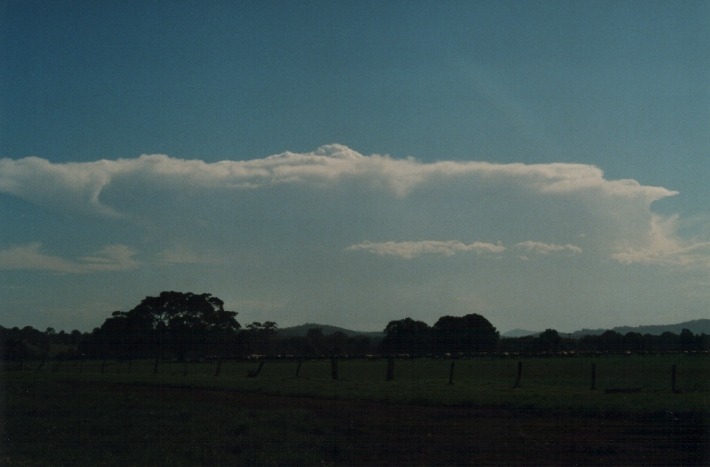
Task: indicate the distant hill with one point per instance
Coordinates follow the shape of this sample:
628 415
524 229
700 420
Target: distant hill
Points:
519 333
302 330
697 326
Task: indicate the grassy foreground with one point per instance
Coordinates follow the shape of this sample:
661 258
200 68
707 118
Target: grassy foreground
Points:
185 415
545 383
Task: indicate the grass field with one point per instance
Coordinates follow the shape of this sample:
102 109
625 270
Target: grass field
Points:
75 414
546 383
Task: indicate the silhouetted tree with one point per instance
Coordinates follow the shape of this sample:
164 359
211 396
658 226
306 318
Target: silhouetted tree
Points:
259 338
523 344
549 341
75 337
173 322
668 342
633 342
12 346
703 342
359 345
336 343
467 334
315 340
687 341
407 336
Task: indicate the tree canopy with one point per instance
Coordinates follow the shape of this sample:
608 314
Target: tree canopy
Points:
173 322
186 325
179 311
451 334
407 336
465 334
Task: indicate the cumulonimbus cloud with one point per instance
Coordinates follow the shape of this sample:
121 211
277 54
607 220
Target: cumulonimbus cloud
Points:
615 215
80 185
664 247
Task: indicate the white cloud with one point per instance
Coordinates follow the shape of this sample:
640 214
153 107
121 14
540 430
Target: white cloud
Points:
570 203
412 249
409 250
547 248
30 257
80 185
109 258
70 185
290 230
663 246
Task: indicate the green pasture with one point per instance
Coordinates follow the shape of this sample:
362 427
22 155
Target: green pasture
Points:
116 413
621 383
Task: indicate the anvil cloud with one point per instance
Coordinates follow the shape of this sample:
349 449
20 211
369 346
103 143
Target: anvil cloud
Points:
329 222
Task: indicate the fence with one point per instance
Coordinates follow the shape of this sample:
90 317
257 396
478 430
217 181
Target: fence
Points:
615 374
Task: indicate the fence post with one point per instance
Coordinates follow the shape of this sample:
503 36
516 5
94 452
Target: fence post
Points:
520 373
451 372
184 367
219 367
594 376
298 368
673 380
255 373
155 366
390 368
334 368
103 365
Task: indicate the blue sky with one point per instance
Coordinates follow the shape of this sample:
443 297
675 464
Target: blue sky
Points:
350 163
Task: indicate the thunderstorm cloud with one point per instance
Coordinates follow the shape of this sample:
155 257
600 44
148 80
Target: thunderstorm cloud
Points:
336 231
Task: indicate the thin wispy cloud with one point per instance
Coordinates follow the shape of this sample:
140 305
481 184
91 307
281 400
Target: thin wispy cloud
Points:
547 248
413 249
181 255
31 256
409 250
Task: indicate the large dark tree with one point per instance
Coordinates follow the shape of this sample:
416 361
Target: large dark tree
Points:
173 323
549 341
407 336
178 310
466 334
259 338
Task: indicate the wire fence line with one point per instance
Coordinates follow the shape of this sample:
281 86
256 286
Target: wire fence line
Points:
618 374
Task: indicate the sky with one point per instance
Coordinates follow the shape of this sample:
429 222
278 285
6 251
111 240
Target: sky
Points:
541 163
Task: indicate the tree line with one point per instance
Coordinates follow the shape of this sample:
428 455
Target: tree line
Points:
187 326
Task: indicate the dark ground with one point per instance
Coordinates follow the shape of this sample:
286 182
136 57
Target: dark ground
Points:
73 424
377 434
